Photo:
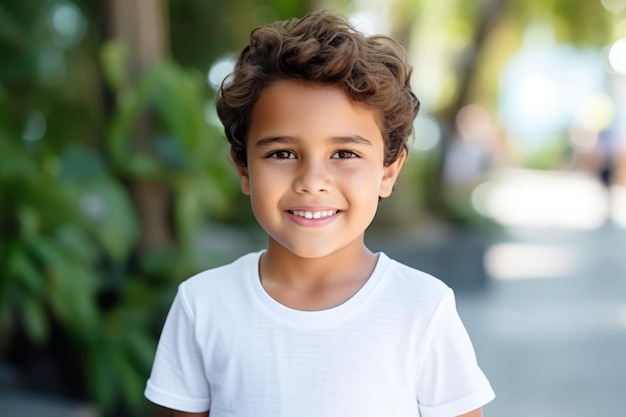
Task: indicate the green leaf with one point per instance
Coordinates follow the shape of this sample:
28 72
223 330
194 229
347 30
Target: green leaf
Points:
120 128
49 253
143 166
72 284
73 298
113 60
75 240
159 262
80 162
35 319
42 204
24 270
114 220
15 161
76 310
177 94
141 348
29 220
129 379
100 374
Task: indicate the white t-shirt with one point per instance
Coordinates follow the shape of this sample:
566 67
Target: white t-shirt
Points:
396 348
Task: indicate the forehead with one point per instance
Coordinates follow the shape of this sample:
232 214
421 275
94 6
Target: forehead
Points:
294 108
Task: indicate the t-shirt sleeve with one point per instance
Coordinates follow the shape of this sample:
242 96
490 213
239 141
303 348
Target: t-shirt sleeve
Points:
450 381
177 380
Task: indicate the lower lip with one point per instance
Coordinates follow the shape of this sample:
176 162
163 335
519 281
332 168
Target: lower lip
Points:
303 221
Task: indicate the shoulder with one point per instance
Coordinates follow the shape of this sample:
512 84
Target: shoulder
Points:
225 273
413 285
215 284
409 277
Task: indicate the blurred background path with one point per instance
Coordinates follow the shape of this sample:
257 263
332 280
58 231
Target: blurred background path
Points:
549 324
556 346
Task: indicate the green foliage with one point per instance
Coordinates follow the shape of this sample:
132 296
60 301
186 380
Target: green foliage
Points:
578 21
46 253
69 225
119 353
23 32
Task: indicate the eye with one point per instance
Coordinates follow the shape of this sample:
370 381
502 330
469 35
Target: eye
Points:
282 154
344 155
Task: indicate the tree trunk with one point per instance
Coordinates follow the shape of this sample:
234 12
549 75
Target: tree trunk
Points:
141 25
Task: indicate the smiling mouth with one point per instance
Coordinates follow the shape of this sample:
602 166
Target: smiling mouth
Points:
313 214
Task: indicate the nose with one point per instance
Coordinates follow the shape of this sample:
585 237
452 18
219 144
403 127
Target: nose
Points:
312 176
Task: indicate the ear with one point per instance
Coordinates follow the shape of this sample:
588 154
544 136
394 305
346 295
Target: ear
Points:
390 175
242 172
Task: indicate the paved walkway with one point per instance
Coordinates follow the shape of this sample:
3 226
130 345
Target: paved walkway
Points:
555 346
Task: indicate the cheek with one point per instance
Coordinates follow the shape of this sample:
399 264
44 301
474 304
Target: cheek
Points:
364 177
263 205
265 190
264 180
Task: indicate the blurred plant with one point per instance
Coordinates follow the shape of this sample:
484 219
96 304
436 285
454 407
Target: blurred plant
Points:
186 151
72 274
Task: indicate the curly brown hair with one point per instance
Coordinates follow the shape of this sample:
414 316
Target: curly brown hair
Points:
321 48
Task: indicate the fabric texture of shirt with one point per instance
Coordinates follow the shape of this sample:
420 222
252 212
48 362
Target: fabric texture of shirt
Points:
395 348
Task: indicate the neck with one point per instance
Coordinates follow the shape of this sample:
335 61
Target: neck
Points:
280 264
315 283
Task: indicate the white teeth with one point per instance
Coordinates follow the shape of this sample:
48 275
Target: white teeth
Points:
314 214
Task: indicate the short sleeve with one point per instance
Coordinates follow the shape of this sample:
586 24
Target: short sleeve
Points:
449 381
177 380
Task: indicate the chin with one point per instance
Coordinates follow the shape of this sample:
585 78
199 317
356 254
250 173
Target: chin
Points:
308 251
311 253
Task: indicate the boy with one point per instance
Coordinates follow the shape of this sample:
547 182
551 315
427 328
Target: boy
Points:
318 117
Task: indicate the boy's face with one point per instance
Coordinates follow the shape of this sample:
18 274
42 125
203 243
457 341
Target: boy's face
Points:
315 168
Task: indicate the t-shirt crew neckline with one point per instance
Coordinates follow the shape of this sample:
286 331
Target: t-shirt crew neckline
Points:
318 318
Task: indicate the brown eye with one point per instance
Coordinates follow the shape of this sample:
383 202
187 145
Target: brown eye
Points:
282 155
344 155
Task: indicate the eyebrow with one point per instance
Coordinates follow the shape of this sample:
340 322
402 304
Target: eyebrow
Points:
351 140
336 140
267 141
